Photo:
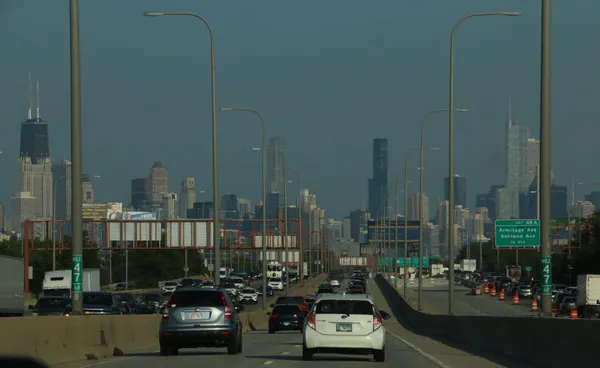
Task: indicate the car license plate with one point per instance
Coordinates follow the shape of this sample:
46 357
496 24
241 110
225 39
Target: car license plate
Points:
196 315
343 327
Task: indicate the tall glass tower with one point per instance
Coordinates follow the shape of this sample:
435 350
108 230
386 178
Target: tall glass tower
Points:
378 184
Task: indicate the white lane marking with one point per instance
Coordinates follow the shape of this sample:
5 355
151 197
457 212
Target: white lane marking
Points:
427 356
297 346
268 362
286 353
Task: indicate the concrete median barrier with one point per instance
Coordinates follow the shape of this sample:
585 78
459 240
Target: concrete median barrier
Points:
56 340
536 342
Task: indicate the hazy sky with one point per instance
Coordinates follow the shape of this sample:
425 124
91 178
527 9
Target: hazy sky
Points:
329 76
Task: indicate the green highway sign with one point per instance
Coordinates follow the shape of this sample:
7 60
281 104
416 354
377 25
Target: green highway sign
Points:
528 268
546 276
412 261
517 233
77 278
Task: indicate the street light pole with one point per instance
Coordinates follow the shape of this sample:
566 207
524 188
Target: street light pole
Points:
299 231
54 221
421 195
76 162
285 210
451 219
215 162
545 158
264 197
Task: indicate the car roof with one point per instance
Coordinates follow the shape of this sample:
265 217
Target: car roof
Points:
345 296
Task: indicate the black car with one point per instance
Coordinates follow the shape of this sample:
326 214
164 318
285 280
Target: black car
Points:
325 290
148 303
286 317
51 306
186 283
356 289
101 303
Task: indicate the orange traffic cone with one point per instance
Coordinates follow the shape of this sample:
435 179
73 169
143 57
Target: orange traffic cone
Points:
493 293
574 314
516 299
502 294
477 291
486 289
534 306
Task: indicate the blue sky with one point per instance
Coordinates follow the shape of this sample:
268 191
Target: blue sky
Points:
329 76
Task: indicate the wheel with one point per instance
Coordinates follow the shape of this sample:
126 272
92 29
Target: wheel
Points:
174 351
307 354
165 350
271 331
240 347
232 346
379 355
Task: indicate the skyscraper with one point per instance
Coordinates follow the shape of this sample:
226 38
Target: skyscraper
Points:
460 190
413 208
34 164
158 183
87 187
139 194
275 166
61 173
169 206
533 159
187 196
244 207
378 184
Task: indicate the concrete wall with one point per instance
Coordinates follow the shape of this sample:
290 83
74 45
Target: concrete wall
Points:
537 342
64 339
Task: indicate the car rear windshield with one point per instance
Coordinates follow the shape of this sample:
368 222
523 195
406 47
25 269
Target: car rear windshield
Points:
97 299
186 282
286 309
344 307
197 299
53 303
274 280
290 300
325 291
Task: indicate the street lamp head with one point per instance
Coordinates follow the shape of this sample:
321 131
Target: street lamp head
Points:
153 14
511 14
461 110
256 149
432 149
226 109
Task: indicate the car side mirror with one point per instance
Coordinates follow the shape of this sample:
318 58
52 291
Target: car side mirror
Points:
385 315
268 313
30 306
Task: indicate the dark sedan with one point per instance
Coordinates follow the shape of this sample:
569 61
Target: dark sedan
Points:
285 318
52 306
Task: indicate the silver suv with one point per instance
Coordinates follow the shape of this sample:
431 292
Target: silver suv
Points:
200 318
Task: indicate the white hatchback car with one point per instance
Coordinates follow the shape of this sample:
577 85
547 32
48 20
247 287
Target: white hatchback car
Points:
276 283
344 324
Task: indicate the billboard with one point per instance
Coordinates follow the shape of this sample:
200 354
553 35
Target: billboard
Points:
129 230
94 211
189 234
114 211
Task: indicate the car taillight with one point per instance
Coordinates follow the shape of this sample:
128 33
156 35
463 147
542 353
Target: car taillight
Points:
303 308
274 316
376 322
228 311
310 320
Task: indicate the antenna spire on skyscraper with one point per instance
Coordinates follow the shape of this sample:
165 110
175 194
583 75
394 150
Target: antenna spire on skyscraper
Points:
29 117
509 112
37 110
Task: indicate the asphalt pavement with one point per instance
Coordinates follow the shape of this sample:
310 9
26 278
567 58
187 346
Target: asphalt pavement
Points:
435 301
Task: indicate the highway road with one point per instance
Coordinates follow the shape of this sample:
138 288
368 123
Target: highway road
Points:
284 350
435 301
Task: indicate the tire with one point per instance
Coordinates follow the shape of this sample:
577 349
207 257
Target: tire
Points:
307 354
240 347
165 350
379 355
174 351
232 346
271 331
